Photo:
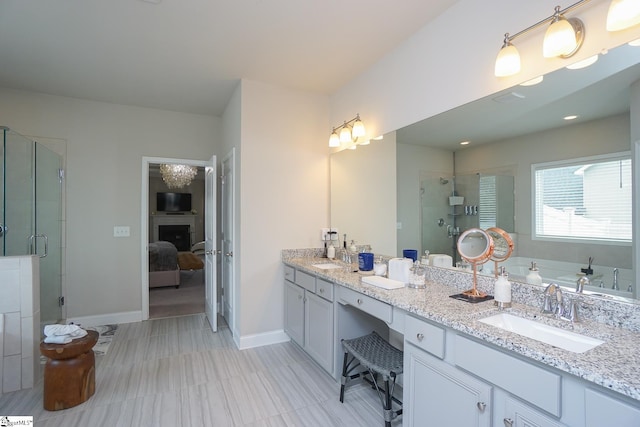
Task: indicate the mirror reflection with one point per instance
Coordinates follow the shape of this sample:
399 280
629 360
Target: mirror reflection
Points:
439 185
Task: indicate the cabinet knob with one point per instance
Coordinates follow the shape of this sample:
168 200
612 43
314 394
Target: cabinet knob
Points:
359 301
481 406
508 422
299 296
322 290
420 336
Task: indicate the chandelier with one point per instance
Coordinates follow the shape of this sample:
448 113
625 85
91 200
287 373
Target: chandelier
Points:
177 176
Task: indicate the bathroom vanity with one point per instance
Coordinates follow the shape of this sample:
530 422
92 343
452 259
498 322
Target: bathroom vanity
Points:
461 371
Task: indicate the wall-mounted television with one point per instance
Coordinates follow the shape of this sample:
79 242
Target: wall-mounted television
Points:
173 202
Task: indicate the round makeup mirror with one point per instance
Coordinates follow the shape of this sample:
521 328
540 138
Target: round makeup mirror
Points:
475 246
503 246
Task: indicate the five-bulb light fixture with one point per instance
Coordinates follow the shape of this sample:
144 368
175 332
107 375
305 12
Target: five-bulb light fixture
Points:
348 133
564 36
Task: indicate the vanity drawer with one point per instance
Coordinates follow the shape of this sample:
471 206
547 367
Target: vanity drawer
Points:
424 335
530 382
369 305
306 280
324 289
290 273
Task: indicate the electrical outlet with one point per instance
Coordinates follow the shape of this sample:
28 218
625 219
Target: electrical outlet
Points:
324 234
121 231
334 234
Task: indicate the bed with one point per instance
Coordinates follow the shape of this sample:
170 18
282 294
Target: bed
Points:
163 265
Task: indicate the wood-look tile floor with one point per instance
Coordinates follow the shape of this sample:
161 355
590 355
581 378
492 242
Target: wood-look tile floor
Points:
177 372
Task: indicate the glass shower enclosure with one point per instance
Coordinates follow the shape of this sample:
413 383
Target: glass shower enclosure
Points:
31 213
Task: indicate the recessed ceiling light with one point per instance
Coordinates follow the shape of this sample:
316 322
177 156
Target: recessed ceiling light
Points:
584 63
635 42
573 117
533 81
465 142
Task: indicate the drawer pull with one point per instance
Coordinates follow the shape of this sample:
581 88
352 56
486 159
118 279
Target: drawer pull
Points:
359 301
322 290
420 336
508 422
481 406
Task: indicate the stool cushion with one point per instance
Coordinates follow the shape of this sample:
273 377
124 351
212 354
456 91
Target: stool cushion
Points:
375 353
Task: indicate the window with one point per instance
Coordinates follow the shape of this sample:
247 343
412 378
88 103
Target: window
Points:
586 199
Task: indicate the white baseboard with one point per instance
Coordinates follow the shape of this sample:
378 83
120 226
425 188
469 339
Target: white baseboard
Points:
259 340
107 319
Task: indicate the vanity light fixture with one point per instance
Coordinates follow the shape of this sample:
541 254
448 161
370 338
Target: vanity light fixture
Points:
349 132
563 39
623 14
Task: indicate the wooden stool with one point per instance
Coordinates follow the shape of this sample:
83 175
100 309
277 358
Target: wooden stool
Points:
70 373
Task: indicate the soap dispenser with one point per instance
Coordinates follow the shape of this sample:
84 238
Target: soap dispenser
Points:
502 290
353 248
534 276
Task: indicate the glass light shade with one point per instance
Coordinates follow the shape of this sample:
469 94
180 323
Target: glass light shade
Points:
507 61
623 14
584 63
358 129
334 140
345 134
560 39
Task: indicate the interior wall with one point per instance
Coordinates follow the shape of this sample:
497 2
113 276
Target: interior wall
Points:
284 193
609 135
105 144
424 76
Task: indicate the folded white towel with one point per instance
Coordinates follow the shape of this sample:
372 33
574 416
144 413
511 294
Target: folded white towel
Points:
58 339
383 282
71 331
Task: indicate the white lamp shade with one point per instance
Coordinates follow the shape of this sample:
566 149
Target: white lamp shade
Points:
334 140
560 39
358 129
623 14
507 62
345 135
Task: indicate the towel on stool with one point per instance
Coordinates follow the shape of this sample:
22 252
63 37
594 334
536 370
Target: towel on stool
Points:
62 334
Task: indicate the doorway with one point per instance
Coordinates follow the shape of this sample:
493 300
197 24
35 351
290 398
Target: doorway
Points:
174 276
228 291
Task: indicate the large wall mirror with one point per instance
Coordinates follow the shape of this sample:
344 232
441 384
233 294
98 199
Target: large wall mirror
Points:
419 188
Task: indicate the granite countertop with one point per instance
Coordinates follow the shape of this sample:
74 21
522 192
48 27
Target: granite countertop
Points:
614 365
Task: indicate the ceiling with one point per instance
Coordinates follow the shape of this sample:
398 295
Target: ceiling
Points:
188 55
598 91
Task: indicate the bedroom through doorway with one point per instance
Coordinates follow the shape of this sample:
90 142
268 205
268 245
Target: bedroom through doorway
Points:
176 235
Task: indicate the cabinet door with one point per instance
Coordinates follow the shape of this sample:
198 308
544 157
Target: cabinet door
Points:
603 410
319 330
294 312
438 394
520 415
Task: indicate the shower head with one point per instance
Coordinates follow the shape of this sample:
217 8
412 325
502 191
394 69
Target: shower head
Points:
443 181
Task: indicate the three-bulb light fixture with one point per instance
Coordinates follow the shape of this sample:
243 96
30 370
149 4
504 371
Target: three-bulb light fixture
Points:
564 37
348 133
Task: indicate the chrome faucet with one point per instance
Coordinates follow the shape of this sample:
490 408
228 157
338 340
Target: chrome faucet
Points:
558 309
615 280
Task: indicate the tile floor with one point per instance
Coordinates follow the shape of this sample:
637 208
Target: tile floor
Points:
177 372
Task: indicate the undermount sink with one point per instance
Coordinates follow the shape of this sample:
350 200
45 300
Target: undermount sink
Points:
326 266
551 335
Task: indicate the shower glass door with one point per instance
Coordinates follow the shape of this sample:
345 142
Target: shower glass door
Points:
31 212
48 231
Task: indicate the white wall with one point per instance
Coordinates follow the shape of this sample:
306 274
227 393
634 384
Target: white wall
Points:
450 61
284 194
105 144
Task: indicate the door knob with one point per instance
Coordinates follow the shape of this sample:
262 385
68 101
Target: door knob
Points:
208 252
229 254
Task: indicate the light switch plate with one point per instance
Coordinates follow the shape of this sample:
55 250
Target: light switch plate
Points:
121 231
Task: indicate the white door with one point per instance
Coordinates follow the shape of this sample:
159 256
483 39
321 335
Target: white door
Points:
210 243
226 210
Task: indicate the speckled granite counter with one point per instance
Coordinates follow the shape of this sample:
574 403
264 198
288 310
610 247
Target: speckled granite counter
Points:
614 365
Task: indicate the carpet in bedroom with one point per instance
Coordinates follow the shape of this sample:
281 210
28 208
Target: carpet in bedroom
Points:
187 299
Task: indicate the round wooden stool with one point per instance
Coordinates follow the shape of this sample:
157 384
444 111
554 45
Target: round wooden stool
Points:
70 372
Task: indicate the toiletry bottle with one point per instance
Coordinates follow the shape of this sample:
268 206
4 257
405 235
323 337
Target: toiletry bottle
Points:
353 248
331 251
534 276
502 290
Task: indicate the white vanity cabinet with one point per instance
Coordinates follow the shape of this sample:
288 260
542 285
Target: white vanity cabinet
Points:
438 394
309 315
